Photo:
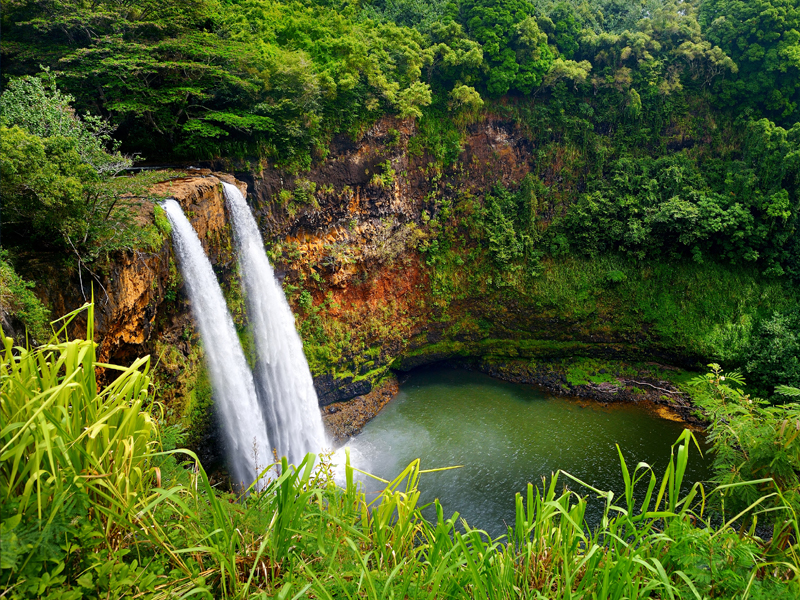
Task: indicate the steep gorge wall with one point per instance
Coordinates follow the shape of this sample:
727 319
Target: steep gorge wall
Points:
132 290
346 237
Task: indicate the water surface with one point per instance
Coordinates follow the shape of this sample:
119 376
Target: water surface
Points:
506 435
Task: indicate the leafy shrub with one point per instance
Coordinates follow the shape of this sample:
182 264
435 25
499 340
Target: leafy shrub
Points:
57 178
516 52
507 221
305 300
421 14
36 105
773 354
162 221
719 563
647 207
753 442
758 35
18 301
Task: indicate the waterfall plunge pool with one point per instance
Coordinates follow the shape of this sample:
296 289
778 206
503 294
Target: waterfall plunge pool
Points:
506 435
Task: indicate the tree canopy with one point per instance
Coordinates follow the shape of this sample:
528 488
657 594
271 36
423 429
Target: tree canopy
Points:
614 83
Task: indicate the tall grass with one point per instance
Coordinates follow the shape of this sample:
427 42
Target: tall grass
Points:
140 526
62 436
316 539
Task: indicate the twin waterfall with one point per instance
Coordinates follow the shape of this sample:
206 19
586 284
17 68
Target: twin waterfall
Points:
274 406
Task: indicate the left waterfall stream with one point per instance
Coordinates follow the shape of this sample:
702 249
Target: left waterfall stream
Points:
248 447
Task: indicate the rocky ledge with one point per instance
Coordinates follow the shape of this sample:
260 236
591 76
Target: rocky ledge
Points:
660 395
345 419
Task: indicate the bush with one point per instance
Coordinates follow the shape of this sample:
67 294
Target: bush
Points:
752 442
57 177
774 351
18 301
742 211
36 105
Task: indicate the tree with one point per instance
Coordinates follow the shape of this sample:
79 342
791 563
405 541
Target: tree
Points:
773 356
515 50
752 442
763 39
567 29
568 70
36 105
79 23
456 59
57 175
420 14
52 195
42 182
257 78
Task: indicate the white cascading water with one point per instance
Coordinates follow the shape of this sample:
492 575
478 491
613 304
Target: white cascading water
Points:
234 390
283 380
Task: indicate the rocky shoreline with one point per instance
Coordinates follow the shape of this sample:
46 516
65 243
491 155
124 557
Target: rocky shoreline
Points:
667 400
345 419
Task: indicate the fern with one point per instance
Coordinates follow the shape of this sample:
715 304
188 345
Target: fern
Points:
785 390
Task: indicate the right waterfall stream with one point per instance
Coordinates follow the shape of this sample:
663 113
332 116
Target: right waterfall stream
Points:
283 380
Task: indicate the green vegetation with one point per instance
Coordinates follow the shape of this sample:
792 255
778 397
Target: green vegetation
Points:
762 38
279 78
696 309
639 142
774 350
666 206
75 460
514 49
53 167
95 507
750 437
61 192
17 301
206 78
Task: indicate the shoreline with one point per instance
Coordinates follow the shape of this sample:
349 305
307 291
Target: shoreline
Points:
344 420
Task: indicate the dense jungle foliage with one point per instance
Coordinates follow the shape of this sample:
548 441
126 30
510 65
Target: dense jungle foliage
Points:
276 80
96 505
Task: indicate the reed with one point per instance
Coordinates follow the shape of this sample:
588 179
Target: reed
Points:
62 436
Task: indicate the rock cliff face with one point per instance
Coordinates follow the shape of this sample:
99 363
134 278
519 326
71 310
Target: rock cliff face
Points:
347 235
132 291
352 239
353 242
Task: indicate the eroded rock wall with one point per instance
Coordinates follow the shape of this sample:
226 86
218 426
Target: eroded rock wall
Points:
346 238
138 302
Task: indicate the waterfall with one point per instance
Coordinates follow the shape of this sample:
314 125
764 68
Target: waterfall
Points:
283 380
231 379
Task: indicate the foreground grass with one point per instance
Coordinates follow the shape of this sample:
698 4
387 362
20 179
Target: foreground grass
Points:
94 507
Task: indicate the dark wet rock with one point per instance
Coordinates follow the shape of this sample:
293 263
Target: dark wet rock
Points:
671 402
330 389
345 419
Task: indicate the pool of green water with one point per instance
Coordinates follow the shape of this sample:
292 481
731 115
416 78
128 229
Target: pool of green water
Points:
505 435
